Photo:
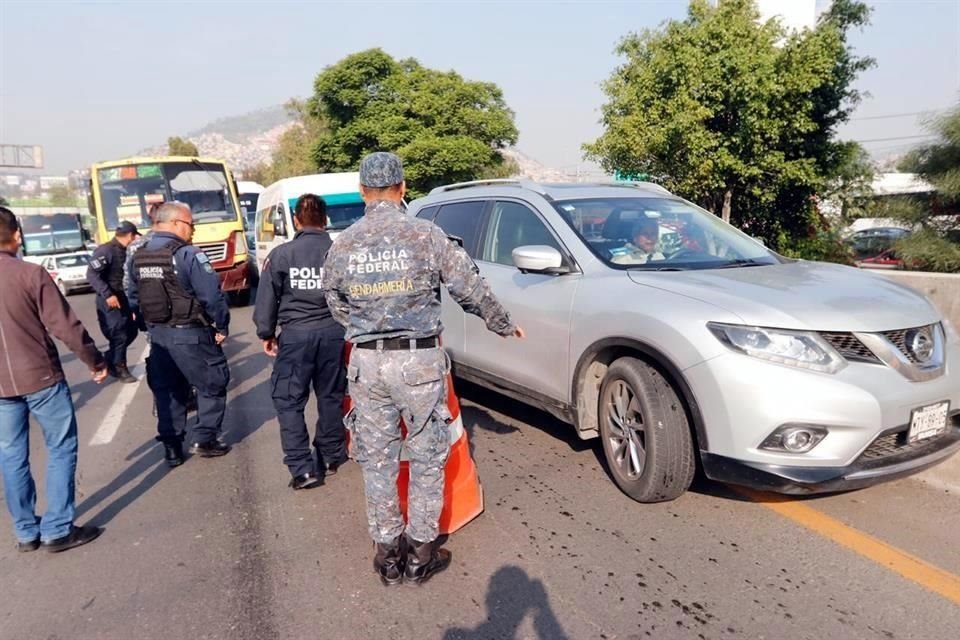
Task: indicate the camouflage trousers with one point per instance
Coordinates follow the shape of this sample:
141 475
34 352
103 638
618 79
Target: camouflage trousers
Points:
386 386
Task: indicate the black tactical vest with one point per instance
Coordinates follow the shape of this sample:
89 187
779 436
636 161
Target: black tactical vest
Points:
163 300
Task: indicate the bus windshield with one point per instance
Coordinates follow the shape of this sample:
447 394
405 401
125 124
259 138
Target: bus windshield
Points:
51 233
128 192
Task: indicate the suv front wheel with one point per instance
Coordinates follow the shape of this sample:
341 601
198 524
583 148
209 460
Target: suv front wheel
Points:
645 432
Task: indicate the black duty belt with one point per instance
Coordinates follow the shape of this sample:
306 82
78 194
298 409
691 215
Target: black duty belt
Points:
400 344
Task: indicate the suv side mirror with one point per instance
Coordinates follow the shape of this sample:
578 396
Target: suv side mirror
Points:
537 258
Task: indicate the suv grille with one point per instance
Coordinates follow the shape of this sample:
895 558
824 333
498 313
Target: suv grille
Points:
899 340
893 444
216 252
848 346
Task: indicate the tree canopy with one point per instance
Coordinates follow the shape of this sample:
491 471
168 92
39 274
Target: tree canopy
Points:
935 243
445 128
736 114
177 146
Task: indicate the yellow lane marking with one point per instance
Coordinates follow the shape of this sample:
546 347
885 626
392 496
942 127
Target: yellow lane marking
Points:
910 567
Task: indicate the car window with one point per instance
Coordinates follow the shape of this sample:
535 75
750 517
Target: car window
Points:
660 233
427 213
71 261
514 225
462 219
265 228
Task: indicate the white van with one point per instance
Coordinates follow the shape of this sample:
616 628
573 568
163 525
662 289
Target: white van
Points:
274 223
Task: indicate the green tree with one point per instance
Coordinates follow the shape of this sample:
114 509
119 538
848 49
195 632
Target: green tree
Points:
177 146
3 202
61 196
445 128
935 218
736 114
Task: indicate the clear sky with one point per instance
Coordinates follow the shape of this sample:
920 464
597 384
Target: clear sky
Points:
93 81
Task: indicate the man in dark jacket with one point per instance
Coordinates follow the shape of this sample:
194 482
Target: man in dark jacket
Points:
32 382
105 275
310 347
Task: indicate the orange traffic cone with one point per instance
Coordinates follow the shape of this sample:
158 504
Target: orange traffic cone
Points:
462 491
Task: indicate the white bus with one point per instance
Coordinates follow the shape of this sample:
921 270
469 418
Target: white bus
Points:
274 222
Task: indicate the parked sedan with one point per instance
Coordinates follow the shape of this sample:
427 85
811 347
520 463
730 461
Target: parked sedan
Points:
69 271
787 375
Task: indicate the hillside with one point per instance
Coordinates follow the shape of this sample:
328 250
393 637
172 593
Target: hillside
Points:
247 140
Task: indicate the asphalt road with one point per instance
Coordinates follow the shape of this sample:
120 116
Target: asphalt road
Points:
223 549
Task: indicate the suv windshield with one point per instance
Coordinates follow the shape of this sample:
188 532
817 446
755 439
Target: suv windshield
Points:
127 192
660 233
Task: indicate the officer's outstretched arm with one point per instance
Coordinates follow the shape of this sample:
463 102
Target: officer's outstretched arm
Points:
462 279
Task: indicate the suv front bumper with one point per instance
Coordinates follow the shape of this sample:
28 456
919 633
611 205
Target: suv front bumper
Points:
863 472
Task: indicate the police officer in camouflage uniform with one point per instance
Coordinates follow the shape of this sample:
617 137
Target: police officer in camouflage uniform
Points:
178 292
309 351
105 275
382 280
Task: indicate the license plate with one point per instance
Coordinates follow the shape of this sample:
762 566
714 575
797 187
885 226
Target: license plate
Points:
928 422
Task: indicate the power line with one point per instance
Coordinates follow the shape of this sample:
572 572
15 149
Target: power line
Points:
896 138
899 115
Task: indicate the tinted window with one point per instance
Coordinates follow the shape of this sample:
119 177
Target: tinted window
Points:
514 225
427 213
462 220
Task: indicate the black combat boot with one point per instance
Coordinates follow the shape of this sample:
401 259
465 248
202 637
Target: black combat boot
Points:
173 453
123 373
388 561
423 560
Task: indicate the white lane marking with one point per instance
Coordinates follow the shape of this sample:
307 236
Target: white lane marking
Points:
111 422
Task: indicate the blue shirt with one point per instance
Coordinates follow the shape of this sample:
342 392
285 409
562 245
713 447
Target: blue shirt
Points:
196 276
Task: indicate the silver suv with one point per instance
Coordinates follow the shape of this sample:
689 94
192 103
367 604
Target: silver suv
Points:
676 338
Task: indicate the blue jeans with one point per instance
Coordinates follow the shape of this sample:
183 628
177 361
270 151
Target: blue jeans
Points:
53 409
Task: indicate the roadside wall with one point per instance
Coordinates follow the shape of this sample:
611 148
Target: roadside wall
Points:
942 288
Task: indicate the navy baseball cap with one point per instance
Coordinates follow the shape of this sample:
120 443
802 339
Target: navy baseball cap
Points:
126 227
381 169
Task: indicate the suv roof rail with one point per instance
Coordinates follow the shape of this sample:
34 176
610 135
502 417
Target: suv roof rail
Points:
639 184
519 182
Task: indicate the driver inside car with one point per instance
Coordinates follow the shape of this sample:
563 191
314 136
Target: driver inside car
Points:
644 247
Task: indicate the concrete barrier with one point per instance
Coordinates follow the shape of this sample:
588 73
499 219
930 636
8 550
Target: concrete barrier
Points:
943 289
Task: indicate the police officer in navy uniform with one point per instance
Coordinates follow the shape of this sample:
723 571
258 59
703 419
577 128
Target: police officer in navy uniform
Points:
309 350
179 295
105 275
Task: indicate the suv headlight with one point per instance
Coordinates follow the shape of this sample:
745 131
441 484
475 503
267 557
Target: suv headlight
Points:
803 349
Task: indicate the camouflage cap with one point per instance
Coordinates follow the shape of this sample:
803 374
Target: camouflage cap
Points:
381 169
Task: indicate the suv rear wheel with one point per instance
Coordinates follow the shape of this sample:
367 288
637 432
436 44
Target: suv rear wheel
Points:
645 432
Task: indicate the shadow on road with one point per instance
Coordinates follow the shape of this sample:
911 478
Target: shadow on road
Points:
511 596
150 463
253 408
